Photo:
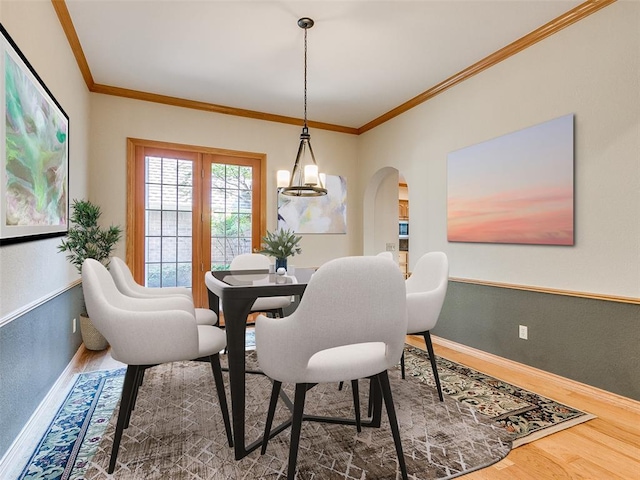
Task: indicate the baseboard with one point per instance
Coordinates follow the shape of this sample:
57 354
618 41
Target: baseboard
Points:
25 443
597 393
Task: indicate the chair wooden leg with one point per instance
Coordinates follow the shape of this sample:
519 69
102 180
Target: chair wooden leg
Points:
275 391
296 428
356 404
134 395
383 379
128 392
432 358
139 381
371 387
222 396
402 364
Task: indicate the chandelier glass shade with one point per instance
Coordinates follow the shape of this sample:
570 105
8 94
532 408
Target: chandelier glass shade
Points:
304 180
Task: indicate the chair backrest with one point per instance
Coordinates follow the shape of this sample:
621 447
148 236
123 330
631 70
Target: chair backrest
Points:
123 277
387 255
349 300
127 285
426 290
140 330
250 261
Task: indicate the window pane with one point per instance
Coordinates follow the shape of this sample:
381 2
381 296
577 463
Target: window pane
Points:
152 274
154 222
153 195
233 172
231 200
169 250
217 199
169 171
244 205
185 194
244 225
184 250
185 172
169 197
218 171
184 223
153 251
153 170
245 178
169 223
169 275
184 274
169 202
231 206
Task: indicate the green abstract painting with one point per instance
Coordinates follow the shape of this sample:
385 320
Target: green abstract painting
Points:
35 154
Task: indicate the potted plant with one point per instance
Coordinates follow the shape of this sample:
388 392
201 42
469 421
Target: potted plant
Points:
86 239
281 245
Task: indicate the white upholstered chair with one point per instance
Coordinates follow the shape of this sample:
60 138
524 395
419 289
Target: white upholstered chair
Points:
385 254
128 286
361 335
426 290
257 261
144 332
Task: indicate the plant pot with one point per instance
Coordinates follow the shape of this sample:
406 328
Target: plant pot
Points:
91 337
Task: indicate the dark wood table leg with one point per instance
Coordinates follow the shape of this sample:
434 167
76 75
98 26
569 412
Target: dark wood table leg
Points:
235 316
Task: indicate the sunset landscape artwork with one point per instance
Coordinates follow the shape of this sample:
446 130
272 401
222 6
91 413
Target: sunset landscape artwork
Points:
517 188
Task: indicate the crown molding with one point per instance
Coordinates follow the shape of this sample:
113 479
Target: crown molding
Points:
211 107
74 42
572 16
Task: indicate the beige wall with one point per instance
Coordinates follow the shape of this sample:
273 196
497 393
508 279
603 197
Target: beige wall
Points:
591 69
32 271
114 119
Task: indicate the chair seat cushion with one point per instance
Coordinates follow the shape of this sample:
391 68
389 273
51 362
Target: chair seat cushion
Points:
264 304
348 362
204 316
211 340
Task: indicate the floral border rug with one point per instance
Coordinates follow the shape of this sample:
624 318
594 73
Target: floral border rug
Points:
527 416
77 428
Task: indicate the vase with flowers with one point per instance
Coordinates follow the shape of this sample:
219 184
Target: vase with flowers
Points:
281 245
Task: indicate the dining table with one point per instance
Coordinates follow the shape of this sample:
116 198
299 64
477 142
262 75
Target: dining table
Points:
238 290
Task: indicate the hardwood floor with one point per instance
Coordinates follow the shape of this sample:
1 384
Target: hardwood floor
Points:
607 447
604 448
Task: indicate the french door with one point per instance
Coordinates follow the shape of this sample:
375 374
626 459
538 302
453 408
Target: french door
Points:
190 210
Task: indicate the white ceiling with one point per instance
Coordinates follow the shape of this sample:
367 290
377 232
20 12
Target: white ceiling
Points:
364 57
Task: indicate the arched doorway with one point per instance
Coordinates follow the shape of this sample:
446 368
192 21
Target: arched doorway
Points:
381 212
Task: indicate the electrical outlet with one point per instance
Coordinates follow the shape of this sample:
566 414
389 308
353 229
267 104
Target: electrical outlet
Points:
73 325
391 247
523 332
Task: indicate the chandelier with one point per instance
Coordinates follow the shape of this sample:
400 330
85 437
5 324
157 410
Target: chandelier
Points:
304 180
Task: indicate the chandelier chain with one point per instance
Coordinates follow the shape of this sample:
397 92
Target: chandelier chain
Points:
305 77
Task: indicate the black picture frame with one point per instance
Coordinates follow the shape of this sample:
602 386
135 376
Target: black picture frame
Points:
34 153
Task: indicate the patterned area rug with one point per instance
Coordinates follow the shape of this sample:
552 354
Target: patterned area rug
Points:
177 432
525 415
77 428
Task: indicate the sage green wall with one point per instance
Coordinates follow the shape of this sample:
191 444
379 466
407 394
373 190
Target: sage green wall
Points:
590 341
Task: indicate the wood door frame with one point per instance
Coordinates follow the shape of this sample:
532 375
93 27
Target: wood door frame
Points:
135 192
